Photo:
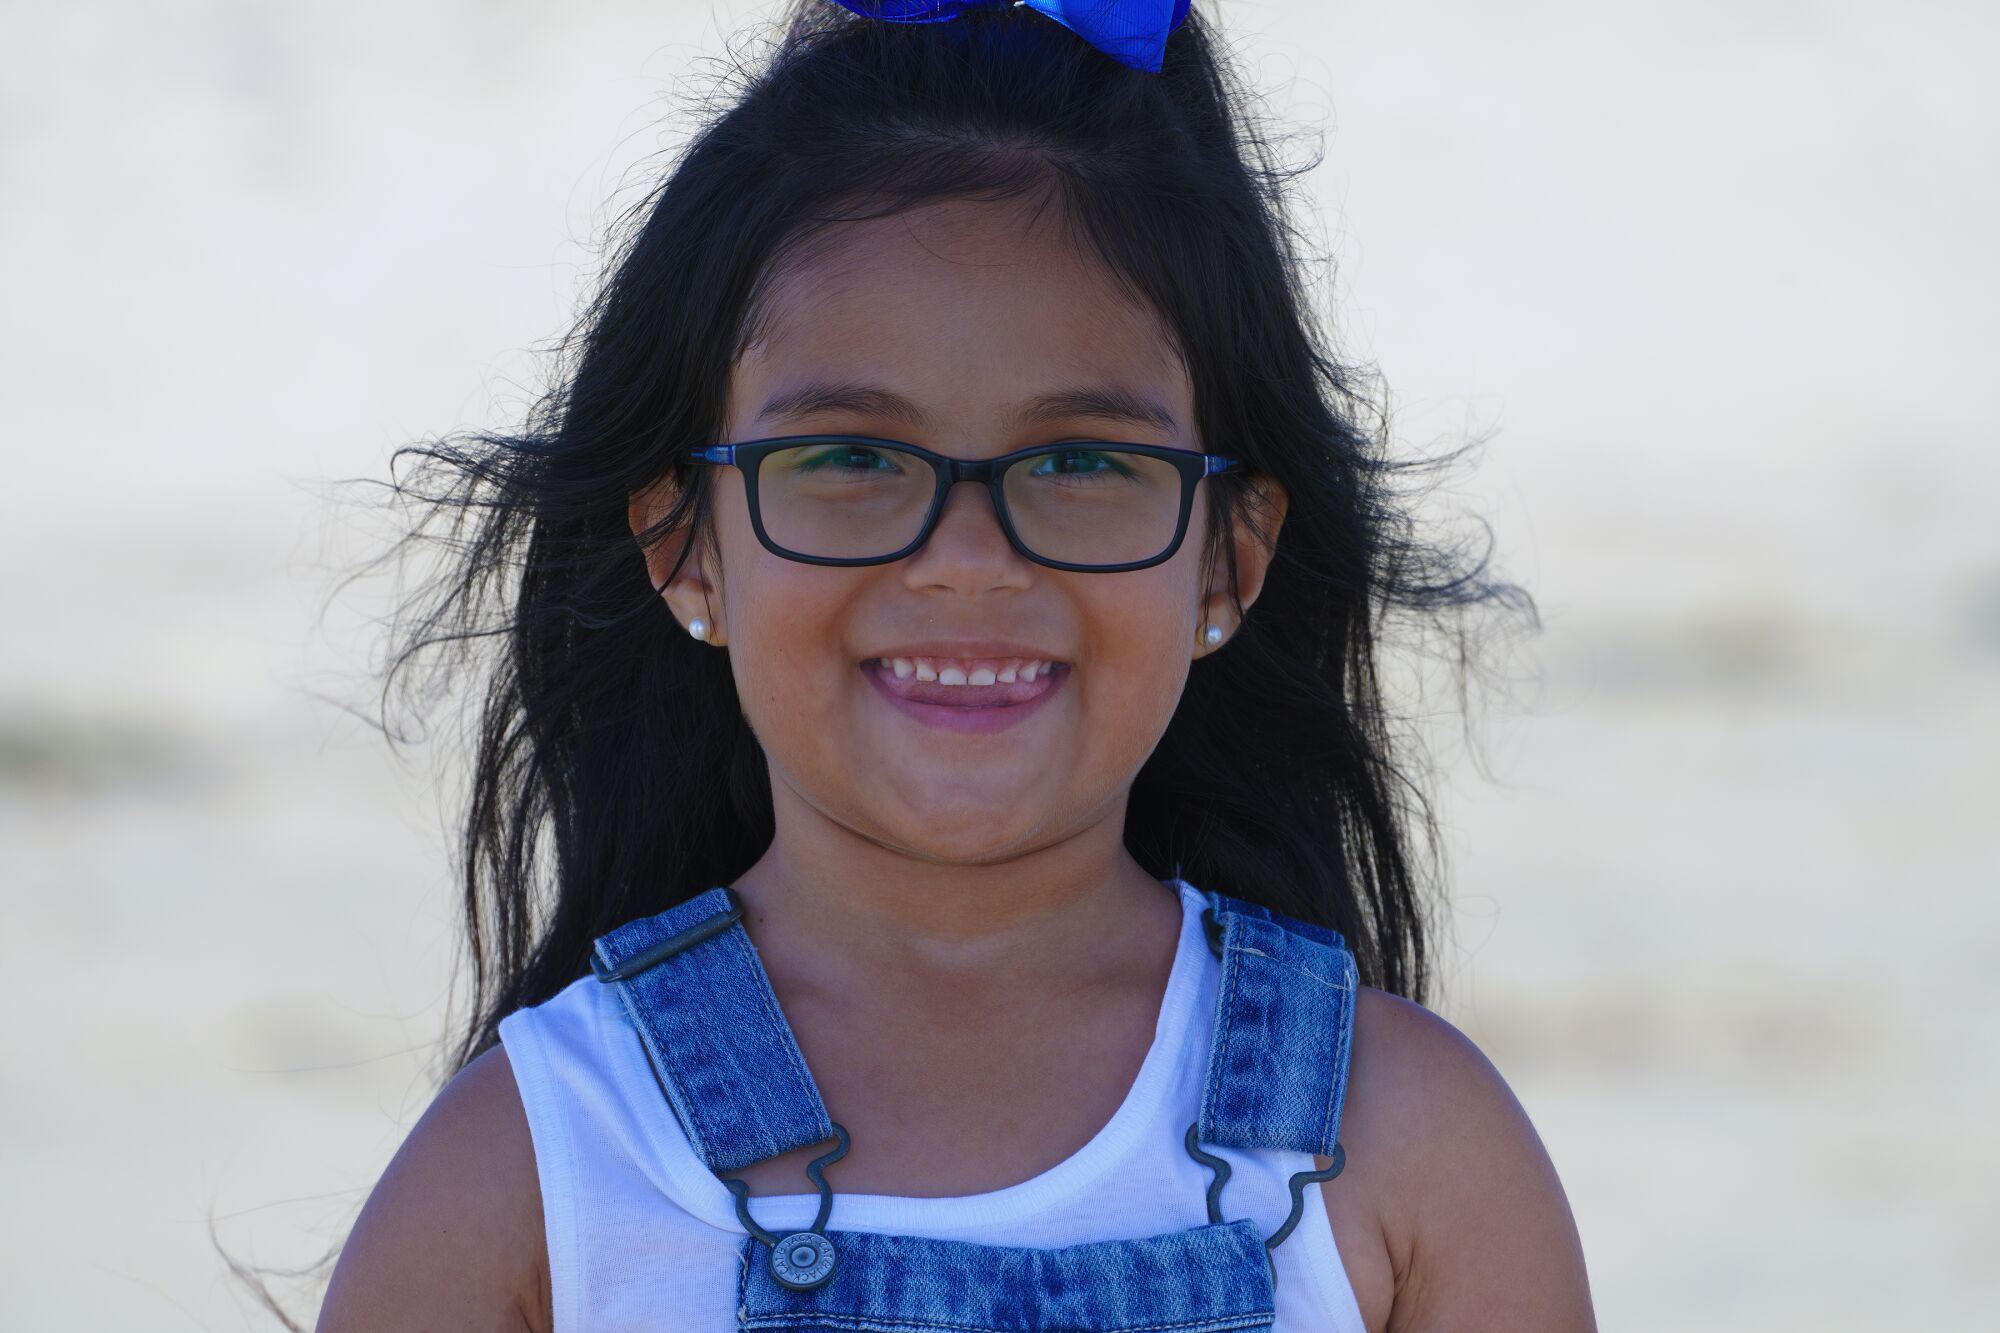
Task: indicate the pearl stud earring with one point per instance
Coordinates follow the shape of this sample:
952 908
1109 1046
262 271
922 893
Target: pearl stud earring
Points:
698 627
1211 635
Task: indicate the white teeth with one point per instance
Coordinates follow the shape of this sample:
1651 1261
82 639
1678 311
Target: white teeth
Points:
948 671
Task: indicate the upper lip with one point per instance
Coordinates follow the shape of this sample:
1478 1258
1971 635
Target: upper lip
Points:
965 648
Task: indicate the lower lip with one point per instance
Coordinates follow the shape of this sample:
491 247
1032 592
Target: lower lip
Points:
980 721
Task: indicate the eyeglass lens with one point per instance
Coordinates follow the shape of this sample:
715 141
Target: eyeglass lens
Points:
1078 505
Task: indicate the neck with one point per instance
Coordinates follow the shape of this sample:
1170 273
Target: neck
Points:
836 911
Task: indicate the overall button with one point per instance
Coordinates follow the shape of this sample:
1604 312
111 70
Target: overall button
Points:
801 1260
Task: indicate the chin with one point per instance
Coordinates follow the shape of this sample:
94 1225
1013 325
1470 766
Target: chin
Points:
964 833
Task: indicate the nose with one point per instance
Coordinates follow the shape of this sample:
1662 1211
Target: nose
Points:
968 550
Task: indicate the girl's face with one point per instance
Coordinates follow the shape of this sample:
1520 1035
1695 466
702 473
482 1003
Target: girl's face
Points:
942 327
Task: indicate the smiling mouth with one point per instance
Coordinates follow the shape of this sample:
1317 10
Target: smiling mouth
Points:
973 683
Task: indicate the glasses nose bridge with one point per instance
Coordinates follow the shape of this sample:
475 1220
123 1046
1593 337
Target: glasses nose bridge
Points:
969 469
984 471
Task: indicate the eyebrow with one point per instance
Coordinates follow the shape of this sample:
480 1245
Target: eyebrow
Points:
1098 402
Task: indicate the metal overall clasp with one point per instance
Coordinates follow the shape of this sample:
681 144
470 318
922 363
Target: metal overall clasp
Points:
1298 1183
806 1258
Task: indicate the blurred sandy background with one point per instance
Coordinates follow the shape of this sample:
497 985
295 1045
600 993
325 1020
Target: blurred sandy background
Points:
1720 277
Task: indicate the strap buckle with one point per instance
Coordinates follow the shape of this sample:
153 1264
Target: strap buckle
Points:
699 932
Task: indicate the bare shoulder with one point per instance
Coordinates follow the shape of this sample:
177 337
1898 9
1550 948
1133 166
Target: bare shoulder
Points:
1449 1212
451 1237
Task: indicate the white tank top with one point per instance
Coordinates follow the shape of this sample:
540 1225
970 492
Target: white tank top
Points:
641 1236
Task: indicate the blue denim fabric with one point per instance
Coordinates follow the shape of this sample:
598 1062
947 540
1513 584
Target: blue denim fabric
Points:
1205 1278
732 1071
726 1058
1287 993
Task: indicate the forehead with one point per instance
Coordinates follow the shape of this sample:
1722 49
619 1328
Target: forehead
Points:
968 308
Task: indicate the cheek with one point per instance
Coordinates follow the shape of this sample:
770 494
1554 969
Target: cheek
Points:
1141 646
784 620
784 647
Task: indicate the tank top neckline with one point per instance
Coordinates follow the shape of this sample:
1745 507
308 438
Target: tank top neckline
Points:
697 1190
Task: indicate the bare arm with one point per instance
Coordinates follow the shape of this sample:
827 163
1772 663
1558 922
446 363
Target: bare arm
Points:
1453 1211
451 1237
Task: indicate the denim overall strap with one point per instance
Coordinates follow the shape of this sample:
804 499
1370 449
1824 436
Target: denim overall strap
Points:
692 985
1284 1031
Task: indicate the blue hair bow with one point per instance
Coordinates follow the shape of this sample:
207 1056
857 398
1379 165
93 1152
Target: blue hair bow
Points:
1132 32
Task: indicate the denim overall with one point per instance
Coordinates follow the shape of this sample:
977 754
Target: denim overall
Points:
691 983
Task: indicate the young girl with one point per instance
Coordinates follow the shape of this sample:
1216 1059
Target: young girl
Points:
976 907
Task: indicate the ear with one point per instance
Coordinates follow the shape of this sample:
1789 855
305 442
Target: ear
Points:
1253 540
696 589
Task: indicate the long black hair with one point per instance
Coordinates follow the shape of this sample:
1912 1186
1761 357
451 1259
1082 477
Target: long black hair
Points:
614 774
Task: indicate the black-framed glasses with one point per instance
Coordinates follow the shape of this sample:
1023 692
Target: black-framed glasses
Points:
1082 505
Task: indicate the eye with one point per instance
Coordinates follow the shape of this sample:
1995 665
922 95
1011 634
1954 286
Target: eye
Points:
1079 463
841 458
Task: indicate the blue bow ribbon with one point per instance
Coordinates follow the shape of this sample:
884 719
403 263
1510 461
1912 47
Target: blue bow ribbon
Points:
1132 32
